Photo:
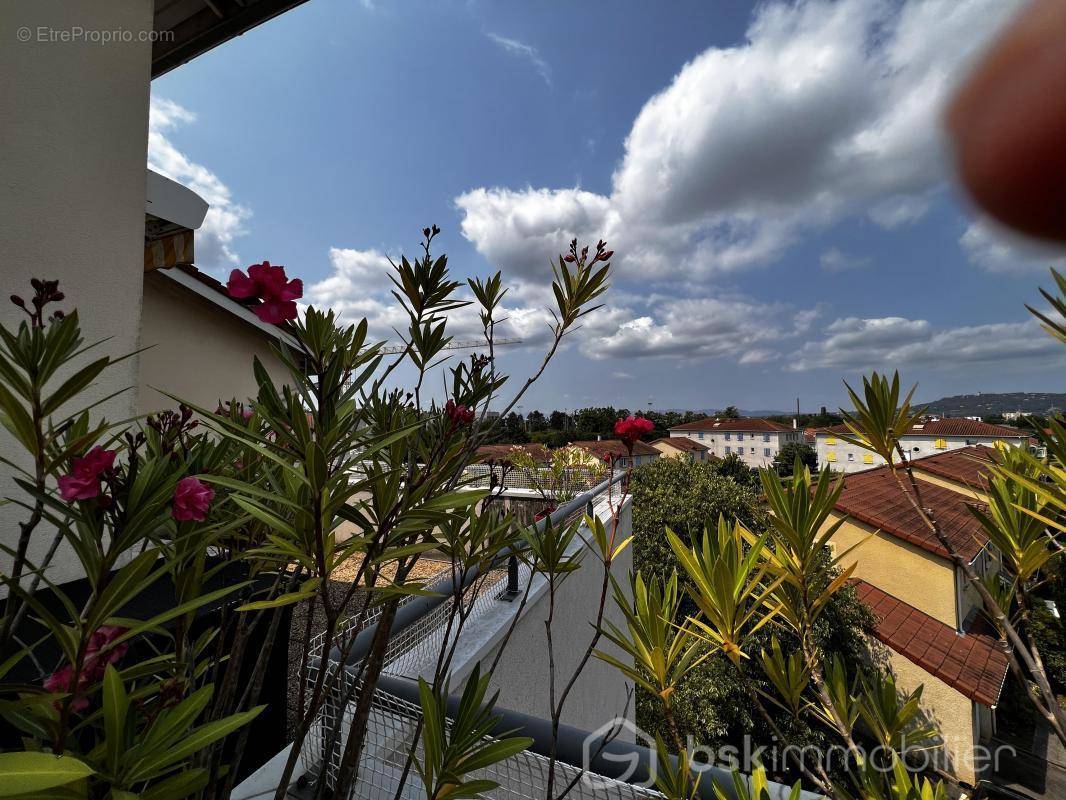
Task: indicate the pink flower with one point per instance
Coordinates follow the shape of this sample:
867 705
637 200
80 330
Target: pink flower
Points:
94 664
630 429
270 284
83 482
458 414
192 498
274 312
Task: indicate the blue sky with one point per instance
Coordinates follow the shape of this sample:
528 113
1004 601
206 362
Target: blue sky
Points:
772 177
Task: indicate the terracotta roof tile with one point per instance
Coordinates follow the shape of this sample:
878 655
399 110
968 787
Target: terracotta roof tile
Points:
947 426
874 497
743 424
615 448
968 465
502 452
973 663
682 443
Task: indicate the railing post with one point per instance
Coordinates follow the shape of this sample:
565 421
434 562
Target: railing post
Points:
511 592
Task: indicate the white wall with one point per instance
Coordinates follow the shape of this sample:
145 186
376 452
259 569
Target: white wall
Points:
841 456
757 449
72 166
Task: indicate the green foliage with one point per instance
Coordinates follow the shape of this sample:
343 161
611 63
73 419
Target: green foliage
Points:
455 748
787 456
682 495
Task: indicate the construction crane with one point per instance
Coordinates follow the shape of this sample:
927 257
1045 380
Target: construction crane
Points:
463 344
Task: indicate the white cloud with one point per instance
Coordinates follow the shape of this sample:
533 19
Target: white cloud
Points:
358 286
525 51
826 110
889 342
997 249
692 328
225 218
834 260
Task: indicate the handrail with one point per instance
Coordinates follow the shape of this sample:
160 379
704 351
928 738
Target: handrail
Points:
445 587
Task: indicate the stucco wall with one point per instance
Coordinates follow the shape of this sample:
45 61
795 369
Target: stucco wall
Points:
951 712
522 675
717 443
75 133
198 352
917 577
835 453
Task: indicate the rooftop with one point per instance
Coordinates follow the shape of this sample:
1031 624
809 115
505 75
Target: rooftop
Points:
614 447
873 497
683 443
947 426
742 424
973 663
968 465
502 452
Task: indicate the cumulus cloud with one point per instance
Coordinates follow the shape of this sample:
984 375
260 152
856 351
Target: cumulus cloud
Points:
997 249
826 110
358 286
524 51
736 329
225 218
889 342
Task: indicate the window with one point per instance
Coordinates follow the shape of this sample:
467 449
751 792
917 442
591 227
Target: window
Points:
941 444
831 456
831 440
728 449
728 436
851 456
701 434
766 452
740 437
867 459
766 437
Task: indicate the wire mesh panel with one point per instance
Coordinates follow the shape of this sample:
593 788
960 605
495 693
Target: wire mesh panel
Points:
391 730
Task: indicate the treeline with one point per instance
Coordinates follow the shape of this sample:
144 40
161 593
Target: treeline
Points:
559 428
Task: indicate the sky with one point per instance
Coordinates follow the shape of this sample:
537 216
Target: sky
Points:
773 179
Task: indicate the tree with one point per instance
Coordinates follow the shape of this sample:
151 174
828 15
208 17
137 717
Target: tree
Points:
733 466
536 421
558 421
730 412
785 460
514 429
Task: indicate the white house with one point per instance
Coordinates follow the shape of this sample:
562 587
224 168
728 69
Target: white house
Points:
756 441
923 439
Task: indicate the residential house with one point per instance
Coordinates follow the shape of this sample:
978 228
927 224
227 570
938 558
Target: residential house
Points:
643 453
756 441
923 438
683 447
929 625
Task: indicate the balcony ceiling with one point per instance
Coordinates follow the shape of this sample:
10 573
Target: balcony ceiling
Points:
199 25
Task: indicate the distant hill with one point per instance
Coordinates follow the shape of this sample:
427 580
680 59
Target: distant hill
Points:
982 405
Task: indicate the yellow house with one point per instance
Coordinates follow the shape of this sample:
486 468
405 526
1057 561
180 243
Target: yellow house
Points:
683 447
930 629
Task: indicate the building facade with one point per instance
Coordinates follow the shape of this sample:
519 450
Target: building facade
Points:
923 439
756 441
929 628
682 447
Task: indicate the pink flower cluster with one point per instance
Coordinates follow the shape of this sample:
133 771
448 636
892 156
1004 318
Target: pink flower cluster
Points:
458 413
83 482
93 666
192 498
630 429
278 295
